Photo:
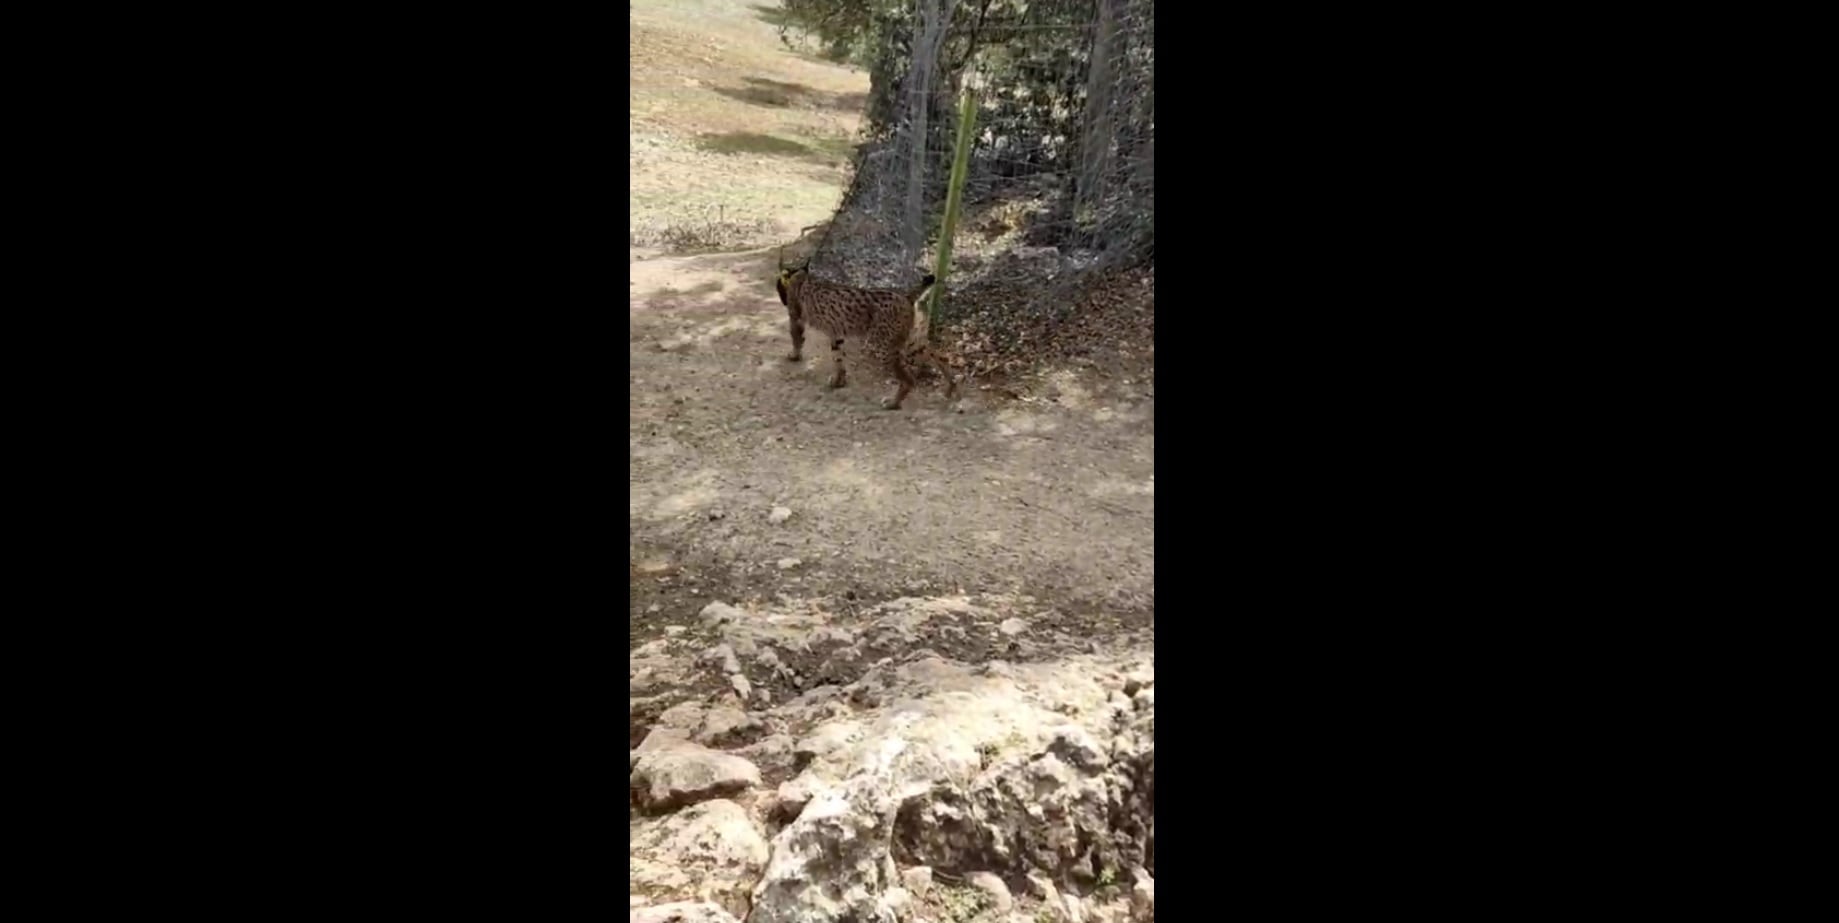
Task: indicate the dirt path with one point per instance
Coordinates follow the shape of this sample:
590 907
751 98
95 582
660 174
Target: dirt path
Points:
1051 496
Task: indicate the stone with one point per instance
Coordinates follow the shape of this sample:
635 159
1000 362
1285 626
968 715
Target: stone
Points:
682 912
709 852
726 726
1042 887
779 514
789 563
1143 899
994 891
657 738
724 655
684 716
895 903
797 792
1076 746
740 639
720 613
827 865
774 751
1145 698
1012 627
918 880
686 773
824 739
741 686
1139 676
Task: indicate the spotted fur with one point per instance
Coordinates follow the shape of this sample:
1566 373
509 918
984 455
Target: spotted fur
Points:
882 318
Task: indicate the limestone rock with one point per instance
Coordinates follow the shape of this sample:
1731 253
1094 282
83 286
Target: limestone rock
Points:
724 726
772 753
658 739
832 863
825 739
723 654
994 891
895 903
918 880
685 716
681 912
795 793
1143 899
720 613
710 851
686 773
1042 887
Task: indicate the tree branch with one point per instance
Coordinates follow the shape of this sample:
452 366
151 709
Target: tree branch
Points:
971 48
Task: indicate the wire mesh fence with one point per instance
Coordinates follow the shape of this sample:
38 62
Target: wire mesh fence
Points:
1061 178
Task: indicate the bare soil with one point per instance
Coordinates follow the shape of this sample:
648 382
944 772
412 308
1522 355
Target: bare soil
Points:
1050 495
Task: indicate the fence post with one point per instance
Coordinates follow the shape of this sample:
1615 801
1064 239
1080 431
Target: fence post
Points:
954 194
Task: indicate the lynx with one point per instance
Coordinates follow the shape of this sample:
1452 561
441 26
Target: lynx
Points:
883 318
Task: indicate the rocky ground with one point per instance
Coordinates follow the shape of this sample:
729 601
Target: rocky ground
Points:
798 765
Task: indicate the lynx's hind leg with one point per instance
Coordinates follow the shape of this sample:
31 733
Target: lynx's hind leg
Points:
899 368
839 378
932 358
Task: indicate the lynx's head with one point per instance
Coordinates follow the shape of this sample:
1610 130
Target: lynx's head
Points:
789 278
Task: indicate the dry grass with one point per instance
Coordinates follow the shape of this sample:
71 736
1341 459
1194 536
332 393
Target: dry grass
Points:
734 140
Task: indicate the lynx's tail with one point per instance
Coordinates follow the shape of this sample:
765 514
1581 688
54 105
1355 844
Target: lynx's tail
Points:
924 286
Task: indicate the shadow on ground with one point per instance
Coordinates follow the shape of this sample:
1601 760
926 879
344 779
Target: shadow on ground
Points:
834 151
781 94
